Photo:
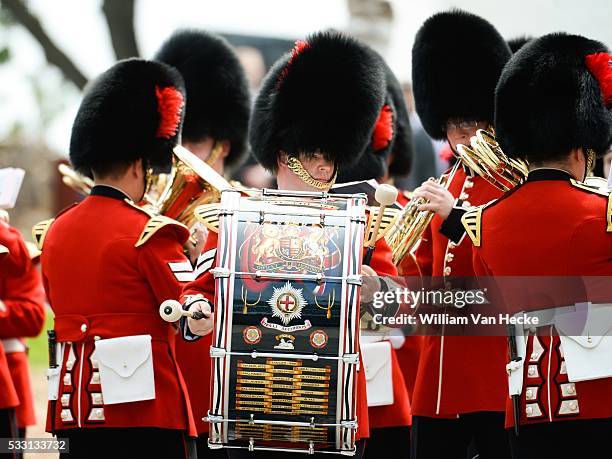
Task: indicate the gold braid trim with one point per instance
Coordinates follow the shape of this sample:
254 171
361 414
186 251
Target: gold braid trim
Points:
296 167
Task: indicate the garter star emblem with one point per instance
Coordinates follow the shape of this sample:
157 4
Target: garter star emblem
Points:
287 303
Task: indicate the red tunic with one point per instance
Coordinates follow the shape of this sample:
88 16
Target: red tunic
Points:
549 227
199 374
472 376
14 261
23 298
14 256
100 285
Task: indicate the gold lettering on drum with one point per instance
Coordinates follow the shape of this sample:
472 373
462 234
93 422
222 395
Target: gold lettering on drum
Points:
283 386
323 378
312 392
300 390
252 381
251 389
315 370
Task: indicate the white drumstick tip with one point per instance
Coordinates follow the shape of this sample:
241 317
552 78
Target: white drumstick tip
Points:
385 194
171 310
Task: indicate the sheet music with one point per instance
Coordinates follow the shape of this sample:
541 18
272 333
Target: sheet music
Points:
11 179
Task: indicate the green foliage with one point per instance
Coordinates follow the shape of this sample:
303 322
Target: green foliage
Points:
5 55
38 353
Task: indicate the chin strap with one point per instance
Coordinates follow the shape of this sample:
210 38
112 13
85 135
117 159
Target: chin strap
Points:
296 167
590 163
214 154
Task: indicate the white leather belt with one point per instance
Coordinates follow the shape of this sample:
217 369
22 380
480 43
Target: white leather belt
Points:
13 345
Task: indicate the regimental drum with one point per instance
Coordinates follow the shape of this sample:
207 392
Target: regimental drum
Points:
285 340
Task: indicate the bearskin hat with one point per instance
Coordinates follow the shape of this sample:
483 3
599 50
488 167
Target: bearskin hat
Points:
132 111
457 58
553 96
325 95
390 149
517 43
218 103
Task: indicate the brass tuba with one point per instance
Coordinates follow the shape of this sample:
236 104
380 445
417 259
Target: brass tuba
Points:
485 157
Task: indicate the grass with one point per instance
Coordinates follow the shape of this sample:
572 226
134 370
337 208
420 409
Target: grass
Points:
38 353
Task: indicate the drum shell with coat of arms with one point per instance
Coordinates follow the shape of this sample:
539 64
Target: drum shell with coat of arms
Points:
285 347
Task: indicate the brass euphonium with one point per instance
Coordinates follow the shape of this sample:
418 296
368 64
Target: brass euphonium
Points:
485 157
190 183
72 179
409 226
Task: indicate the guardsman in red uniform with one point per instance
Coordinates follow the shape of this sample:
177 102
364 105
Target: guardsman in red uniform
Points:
24 299
316 113
389 155
107 264
552 109
215 129
460 391
14 255
14 261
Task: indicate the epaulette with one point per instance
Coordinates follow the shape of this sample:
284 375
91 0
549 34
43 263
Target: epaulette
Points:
142 209
609 217
471 221
39 232
33 250
390 215
156 223
208 214
590 188
602 192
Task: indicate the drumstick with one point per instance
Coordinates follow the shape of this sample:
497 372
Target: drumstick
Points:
171 311
385 195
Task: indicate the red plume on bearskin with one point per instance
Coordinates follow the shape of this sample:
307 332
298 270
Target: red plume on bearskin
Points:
298 48
600 65
170 102
383 131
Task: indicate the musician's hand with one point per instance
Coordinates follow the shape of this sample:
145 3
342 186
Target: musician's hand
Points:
371 284
4 216
440 199
202 326
194 250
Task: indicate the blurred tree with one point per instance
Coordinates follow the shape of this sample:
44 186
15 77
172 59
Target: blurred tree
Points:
119 16
55 56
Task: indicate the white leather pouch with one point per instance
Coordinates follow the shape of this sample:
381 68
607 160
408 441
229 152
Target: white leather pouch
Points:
378 372
515 369
53 380
587 356
126 369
